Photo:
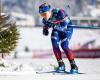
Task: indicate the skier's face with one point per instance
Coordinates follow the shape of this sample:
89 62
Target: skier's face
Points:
46 15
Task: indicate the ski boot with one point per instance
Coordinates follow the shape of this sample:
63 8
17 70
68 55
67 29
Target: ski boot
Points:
61 67
74 68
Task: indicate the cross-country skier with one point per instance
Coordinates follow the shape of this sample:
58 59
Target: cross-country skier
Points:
61 34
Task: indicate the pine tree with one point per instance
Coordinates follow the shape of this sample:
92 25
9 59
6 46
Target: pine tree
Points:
9 34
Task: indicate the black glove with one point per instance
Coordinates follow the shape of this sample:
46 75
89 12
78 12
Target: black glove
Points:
45 32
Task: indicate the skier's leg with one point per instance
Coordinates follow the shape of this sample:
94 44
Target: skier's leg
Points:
70 55
57 52
68 52
55 45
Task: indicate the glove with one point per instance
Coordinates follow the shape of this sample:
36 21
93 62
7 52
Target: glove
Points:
45 32
47 23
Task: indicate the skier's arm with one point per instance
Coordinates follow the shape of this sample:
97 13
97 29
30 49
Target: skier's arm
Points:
45 27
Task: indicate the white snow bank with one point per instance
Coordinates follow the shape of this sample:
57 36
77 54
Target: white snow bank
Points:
14 68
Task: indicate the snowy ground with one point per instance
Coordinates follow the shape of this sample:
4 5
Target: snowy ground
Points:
91 68
25 69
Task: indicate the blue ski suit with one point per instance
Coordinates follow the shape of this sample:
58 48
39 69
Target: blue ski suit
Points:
61 32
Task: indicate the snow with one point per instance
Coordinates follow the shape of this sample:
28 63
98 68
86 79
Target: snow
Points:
95 12
26 68
88 66
13 68
23 19
35 40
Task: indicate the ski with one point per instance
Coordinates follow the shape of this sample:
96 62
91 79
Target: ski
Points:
60 73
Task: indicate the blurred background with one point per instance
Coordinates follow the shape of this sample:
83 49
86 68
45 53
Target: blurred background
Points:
32 43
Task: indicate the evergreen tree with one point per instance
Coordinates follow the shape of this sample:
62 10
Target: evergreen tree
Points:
9 34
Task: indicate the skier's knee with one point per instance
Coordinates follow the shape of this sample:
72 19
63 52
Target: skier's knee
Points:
64 46
55 46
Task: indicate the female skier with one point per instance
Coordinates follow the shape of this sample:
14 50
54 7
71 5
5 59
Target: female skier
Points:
61 34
